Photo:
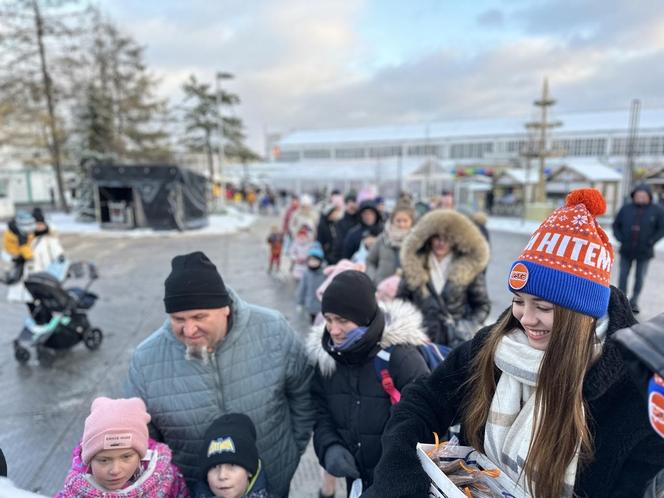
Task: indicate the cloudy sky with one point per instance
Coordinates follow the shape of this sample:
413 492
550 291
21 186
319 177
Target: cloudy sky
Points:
302 64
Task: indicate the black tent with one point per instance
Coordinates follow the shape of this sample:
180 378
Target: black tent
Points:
149 196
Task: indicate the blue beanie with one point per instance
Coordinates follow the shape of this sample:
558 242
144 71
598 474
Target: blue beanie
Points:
316 251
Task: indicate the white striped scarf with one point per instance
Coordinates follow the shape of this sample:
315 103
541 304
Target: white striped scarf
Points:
509 427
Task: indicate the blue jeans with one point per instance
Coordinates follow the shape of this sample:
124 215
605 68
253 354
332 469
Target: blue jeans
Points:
641 269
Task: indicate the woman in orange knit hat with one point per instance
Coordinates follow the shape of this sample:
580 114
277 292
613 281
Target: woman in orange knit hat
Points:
540 392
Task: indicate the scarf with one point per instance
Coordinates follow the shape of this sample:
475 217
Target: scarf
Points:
509 427
395 236
351 338
438 271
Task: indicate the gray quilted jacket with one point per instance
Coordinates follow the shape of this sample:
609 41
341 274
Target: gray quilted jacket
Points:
260 369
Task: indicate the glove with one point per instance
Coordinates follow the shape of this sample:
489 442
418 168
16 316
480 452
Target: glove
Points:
340 463
19 260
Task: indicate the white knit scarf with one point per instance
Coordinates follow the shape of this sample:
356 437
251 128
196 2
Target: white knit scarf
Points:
438 271
509 427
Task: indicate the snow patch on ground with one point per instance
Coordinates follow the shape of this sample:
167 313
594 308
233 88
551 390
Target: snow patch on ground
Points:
229 222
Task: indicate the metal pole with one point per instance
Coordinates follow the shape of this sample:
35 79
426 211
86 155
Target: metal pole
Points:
399 172
634 112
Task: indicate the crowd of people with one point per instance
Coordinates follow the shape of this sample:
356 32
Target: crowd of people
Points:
563 393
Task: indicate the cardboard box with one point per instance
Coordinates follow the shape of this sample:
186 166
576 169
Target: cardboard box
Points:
442 487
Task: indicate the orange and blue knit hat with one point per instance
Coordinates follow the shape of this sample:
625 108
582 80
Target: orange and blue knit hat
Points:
569 257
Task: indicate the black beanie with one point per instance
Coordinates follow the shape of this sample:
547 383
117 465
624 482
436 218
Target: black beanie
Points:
230 439
38 215
351 295
3 465
194 283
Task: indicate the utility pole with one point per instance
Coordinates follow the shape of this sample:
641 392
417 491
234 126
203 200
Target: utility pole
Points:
542 151
632 145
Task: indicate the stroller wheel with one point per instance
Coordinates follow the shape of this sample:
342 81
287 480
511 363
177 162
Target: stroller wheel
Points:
21 354
45 356
92 338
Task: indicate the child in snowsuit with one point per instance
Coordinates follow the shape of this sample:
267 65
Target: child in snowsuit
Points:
276 243
312 278
116 457
298 251
230 466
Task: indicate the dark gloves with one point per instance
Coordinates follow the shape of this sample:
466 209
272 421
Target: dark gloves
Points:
340 462
19 260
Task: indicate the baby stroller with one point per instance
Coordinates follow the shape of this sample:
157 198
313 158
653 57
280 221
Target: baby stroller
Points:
58 318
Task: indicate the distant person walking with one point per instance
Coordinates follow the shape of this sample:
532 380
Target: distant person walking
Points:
638 226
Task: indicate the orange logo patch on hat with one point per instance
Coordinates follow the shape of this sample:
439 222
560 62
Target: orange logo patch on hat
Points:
656 412
518 276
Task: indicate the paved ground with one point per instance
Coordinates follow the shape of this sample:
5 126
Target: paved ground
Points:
43 409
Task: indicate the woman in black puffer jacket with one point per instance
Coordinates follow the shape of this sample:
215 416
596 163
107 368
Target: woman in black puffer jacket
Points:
352 406
443 261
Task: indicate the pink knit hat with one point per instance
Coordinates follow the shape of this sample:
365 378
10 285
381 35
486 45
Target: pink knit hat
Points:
114 424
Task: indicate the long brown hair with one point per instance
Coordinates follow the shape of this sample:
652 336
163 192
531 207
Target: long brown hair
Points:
559 425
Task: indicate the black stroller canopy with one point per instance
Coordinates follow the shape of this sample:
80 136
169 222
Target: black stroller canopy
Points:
45 288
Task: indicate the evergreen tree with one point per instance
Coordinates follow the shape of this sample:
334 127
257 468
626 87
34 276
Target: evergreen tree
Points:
122 88
203 118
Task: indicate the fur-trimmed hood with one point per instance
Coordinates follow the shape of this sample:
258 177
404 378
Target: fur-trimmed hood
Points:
403 326
470 249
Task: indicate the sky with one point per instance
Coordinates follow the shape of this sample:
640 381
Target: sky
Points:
312 64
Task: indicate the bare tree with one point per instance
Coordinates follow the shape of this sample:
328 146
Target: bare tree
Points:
38 47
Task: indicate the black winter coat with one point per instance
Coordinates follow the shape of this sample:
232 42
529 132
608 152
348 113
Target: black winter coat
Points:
343 226
650 218
468 306
352 407
627 454
327 236
354 237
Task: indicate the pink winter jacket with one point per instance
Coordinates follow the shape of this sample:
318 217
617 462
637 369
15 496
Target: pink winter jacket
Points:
160 478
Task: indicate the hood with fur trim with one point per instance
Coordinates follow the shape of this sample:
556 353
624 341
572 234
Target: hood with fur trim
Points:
403 326
470 249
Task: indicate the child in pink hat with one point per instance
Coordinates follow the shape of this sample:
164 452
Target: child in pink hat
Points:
116 456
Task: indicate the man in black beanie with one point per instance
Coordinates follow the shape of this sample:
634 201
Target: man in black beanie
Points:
217 354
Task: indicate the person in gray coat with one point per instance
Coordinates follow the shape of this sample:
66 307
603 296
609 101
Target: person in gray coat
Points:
217 354
383 259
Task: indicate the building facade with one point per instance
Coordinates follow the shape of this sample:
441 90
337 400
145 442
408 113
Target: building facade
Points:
482 141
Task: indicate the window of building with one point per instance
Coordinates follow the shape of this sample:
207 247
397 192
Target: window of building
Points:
317 154
423 150
517 146
470 150
385 151
287 156
350 153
